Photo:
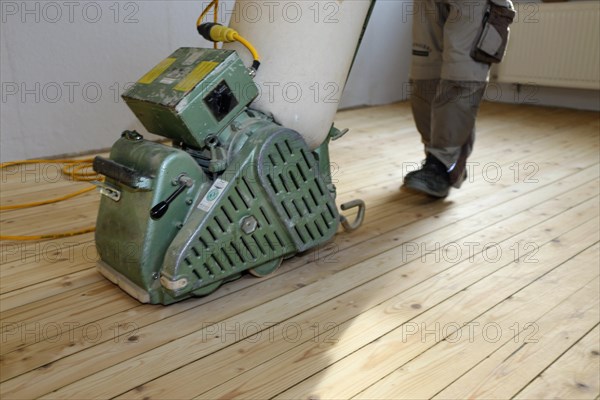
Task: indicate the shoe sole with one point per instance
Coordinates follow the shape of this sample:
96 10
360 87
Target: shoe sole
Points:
421 187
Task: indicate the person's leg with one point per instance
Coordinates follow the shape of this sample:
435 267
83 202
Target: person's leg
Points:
453 111
421 98
428 21
461 90
449 133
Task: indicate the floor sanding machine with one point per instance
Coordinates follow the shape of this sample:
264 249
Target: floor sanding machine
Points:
246 182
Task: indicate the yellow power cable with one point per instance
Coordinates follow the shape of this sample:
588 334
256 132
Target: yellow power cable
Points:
231 34
49 235
248 45
75 169
220 33
44 202
215 5
204 12
216 20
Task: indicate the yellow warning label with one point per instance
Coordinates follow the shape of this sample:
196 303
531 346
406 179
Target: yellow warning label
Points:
197 74
156 71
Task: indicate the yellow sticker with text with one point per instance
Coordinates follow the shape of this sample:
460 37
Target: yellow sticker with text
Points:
157 71
197 74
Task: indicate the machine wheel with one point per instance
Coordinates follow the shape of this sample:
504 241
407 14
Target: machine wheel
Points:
266 269
206 290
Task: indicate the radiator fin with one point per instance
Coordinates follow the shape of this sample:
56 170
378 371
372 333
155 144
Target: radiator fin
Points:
554 45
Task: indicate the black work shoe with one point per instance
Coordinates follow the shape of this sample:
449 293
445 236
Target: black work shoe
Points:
432 179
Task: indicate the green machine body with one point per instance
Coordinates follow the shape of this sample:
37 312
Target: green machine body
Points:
234 193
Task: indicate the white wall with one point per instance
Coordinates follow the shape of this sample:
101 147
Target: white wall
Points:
88 57
380 72
62 74
64 64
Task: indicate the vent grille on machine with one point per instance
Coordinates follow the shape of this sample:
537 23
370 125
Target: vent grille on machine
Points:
282 191
222 249
292 181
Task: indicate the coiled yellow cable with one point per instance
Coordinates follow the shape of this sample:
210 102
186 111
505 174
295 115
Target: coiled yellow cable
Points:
44 202
76 170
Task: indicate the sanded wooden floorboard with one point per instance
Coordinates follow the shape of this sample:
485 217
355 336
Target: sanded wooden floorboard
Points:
38 191
54 211
33 354
521 162
382 354
389 197
576 313
55 218
51 327
562 143
575 375
513 366
432 227
297 363
523 167
196 344
500 130
398 117
503 341
51 287
37 351
342 308
21 256
61 304
36 262
387 192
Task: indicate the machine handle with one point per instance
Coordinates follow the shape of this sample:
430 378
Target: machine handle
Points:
359 217
161 208
121 173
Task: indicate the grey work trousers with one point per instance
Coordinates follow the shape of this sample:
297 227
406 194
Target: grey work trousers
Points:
447 84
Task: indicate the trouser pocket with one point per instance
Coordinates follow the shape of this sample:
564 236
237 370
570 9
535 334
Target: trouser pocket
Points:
492 39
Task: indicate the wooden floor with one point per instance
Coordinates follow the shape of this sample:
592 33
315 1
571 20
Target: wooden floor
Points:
490 293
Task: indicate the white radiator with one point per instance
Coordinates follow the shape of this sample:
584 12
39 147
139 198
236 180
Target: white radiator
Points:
554 44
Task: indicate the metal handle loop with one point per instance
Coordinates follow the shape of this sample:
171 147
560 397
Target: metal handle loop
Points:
348 227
